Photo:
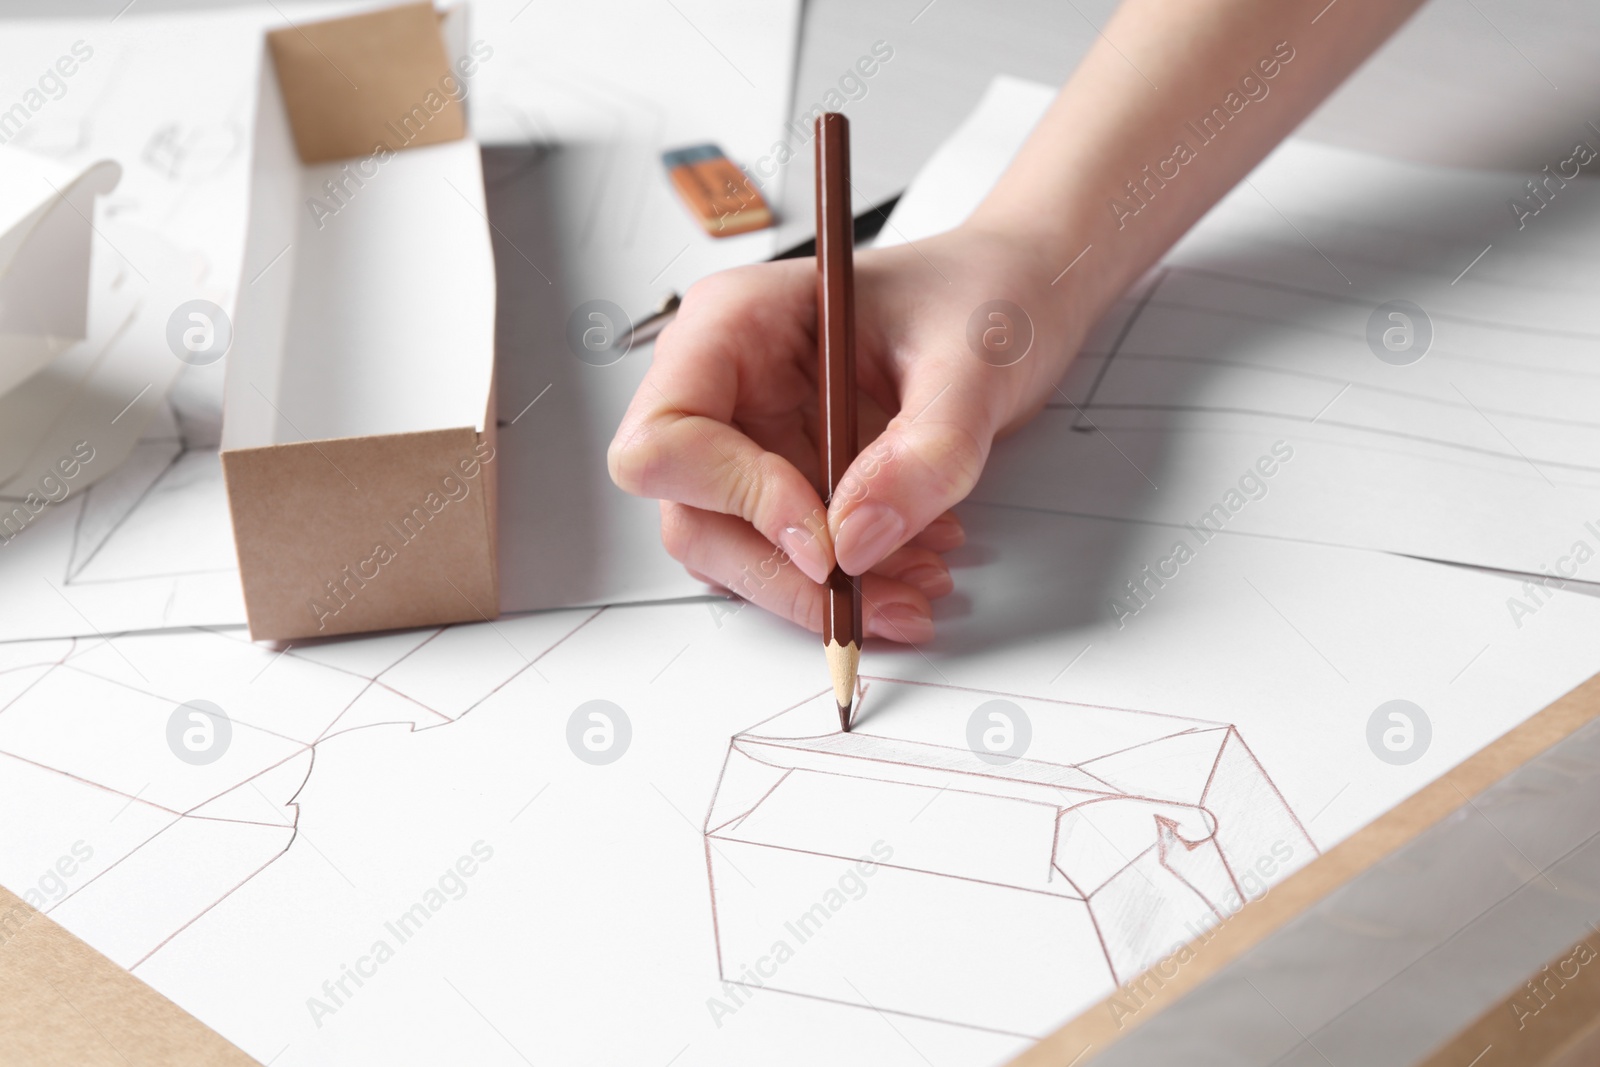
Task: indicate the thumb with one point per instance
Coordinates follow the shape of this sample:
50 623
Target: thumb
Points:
927 459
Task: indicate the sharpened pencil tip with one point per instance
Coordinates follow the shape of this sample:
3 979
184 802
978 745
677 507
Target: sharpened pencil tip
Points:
844 717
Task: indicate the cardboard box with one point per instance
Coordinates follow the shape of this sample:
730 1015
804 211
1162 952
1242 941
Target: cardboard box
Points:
895 858
358 435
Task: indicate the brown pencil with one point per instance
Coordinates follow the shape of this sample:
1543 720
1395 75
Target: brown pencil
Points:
836 387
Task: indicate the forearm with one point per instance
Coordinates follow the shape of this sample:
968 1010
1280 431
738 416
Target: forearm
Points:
1175 103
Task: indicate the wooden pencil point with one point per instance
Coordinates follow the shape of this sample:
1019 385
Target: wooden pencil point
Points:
844 661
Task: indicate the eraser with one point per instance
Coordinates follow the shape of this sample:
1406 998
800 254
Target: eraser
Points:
718 194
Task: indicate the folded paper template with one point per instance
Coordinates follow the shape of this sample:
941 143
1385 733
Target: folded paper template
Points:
85 295
45 234
899 868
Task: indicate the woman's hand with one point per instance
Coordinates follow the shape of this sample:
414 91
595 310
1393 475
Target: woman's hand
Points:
724 427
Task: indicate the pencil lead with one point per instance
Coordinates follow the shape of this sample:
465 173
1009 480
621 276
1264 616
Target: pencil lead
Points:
844 717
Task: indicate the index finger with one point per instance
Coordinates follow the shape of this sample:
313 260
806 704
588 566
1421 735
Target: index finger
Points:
677 441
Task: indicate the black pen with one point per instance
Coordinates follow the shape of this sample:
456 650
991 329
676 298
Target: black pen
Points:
867 226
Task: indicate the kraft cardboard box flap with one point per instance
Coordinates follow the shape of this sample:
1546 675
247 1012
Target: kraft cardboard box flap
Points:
350 84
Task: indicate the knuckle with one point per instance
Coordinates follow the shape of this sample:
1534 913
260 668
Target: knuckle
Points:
955 455
668 344
634 457
749 494
677 531
711 290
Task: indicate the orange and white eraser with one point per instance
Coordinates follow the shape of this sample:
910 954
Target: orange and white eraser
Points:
718 194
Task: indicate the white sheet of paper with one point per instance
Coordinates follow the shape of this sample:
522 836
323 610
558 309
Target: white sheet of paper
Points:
588 894
1252 335
147 547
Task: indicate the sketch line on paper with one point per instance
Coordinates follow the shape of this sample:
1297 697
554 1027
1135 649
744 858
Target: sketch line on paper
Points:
287 749
1289 289
1121 356
101 516
1081 423
1151 835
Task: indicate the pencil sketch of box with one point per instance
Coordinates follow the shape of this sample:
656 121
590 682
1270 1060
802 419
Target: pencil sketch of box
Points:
894 868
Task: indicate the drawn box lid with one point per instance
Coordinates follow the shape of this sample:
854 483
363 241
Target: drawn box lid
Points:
1095 788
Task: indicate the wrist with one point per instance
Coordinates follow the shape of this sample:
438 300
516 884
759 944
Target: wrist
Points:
1052 276
1071 251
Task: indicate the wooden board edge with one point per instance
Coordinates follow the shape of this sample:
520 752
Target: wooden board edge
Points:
62 1004
1104 1024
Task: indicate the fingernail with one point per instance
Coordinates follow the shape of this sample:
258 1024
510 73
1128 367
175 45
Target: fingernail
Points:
948 532
933 579
901 622
868 534
805 549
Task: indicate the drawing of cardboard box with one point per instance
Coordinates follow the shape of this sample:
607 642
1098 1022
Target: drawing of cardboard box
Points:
896 868
358 430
